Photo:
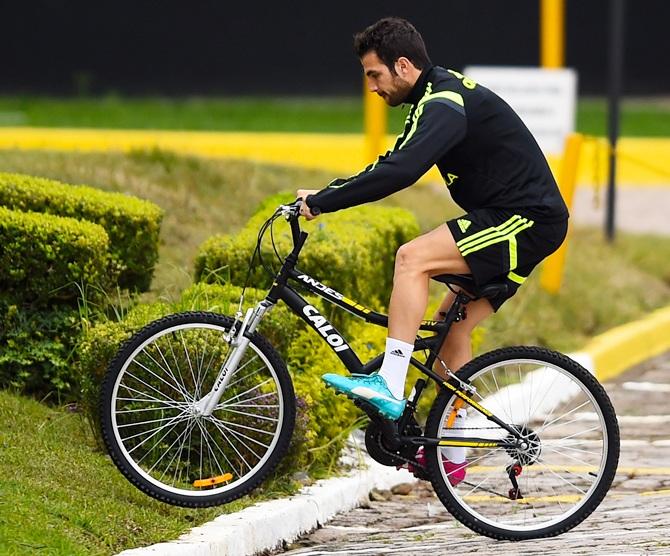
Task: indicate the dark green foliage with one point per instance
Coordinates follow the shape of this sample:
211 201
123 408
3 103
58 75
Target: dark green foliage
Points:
46 259
37 351
132 224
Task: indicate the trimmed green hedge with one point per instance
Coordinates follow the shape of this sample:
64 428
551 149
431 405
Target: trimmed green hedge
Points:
45 258
37 351
133 225
352 251
323 419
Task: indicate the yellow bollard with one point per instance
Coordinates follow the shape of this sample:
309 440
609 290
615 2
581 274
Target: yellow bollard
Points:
552 33
552 268
375 124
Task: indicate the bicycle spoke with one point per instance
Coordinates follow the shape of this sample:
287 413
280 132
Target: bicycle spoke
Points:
188 359
544 425
205 436
138 423
248 391
167 365
128 373
237 371
160 407
176 385
223 432
176 421
167 451
564 480
240 402
237 434
178 454
254 415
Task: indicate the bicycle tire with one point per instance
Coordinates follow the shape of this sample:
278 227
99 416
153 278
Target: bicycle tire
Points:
157 377
481 501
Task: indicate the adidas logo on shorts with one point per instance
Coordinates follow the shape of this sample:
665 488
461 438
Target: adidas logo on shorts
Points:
463 224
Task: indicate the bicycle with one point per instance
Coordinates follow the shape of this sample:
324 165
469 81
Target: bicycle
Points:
198 408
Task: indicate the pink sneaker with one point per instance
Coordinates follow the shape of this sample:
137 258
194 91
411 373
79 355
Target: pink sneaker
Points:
455 471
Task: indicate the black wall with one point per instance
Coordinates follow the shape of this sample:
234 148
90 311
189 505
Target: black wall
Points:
219 47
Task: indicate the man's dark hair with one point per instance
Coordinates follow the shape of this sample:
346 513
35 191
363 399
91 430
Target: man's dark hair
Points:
392 38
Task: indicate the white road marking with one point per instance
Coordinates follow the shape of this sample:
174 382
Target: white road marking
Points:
646 386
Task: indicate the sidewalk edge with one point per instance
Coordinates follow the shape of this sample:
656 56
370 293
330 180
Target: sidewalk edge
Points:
625 346
268 525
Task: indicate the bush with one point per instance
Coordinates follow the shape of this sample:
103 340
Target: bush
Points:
46 259
37 350
133 225
351 251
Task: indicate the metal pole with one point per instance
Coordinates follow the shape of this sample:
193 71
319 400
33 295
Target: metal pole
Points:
552 268
615 79
552 33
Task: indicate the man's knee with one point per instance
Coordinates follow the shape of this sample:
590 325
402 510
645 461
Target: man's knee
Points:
406 257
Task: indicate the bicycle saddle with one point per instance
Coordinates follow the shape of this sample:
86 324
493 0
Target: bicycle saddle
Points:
467 282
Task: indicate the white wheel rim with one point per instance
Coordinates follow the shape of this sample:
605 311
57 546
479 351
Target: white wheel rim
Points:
236 432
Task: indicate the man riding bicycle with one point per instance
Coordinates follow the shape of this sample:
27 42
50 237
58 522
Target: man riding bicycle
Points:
495 171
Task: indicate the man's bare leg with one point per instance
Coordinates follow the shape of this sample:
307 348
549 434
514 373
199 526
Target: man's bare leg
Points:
457 348
428 255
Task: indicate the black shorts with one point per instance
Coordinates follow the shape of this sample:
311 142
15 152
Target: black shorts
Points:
502 245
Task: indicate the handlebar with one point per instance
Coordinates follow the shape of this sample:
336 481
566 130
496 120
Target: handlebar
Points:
293 210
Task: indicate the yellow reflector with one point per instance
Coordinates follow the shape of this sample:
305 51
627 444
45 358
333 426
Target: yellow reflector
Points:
452 417
212 481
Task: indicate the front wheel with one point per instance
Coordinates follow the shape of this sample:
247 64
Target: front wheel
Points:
561 472
159 439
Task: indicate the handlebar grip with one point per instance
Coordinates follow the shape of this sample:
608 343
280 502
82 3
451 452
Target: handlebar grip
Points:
315 210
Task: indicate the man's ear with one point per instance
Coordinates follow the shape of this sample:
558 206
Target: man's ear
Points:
403 66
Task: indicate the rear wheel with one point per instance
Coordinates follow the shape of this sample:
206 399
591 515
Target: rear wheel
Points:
568 460
159 439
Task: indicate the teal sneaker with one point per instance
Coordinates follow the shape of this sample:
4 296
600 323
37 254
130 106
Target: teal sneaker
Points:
371 388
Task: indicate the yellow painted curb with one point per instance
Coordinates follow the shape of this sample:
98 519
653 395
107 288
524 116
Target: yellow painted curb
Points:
625 346
641 161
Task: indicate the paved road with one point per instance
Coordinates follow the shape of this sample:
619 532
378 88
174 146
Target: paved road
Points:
638 209
633 519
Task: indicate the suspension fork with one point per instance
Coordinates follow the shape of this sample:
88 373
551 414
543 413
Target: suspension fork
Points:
239 343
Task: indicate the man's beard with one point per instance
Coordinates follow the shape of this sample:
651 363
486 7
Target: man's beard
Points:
402 91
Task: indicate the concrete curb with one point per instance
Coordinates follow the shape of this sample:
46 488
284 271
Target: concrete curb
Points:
267 525
625 346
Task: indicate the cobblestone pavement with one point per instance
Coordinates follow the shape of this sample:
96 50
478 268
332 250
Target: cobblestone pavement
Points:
634 518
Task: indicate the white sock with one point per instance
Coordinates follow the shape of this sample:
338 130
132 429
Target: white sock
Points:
456 454
395 365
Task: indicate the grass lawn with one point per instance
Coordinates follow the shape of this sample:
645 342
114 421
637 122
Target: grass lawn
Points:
640 117
58 495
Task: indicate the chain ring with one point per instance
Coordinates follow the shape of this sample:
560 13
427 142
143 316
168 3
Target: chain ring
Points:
375 447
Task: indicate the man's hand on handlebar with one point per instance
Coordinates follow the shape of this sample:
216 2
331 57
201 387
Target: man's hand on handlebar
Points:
304 209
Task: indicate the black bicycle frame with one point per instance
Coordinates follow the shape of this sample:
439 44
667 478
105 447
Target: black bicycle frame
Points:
281 290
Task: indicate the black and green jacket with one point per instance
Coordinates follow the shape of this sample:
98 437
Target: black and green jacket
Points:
483 150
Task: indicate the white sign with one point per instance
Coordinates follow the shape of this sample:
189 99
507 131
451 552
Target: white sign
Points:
543 98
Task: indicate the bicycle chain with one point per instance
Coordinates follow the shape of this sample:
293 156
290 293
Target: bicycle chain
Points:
414 462
398 456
